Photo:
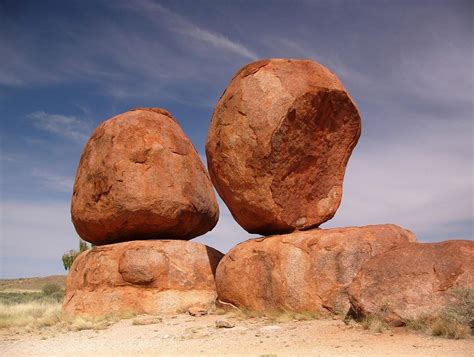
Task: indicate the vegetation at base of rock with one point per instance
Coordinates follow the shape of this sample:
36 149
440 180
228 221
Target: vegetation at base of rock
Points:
30 311
374 323
280 315
455 321
69 257
147 321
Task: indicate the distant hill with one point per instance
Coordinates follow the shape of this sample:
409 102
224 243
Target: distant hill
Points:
32 283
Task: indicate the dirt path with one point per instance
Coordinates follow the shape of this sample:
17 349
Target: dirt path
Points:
186 335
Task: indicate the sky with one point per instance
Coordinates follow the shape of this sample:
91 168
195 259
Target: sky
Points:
66 66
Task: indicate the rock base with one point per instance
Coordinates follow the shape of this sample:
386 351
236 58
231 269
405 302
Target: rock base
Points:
413 281
305 271
153 276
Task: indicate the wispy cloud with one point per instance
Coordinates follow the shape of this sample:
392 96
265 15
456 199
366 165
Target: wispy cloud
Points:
68 127
53 181
149 53
183 26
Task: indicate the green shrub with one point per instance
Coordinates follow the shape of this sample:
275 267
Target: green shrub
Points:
69 257
51 288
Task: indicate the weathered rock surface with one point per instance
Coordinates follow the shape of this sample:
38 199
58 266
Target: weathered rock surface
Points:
152 276
278 145
413 280
302 271
140 177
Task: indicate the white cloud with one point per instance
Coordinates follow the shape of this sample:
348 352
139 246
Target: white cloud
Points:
54 182
227 232
420 180
69 127
34 232
217 40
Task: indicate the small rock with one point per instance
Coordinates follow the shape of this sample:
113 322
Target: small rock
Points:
148 320
197 311
271 328
224 324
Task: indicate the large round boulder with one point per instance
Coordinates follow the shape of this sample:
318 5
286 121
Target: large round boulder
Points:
140 177
152 276
303 271
414 281
278 144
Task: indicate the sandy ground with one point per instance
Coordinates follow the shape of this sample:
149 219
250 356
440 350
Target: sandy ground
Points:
187 335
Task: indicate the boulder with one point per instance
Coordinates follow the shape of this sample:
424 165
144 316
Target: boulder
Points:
143 277
303 271
412 281
278 144
140 177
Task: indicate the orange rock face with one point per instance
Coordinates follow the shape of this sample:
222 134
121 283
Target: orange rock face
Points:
278 145
413 280
302 271
152 276
140 177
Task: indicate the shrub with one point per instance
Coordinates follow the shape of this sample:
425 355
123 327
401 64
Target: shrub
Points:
374 323
454 321
69 257
50 289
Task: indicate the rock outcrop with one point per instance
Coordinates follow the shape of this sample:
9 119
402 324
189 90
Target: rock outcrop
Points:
419 279
302 271
140 177
153 276
278 145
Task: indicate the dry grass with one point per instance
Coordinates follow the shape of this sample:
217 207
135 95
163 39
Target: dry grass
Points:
80 323
31 284
286 316
374 323
278 316
148 320
35 314
454 322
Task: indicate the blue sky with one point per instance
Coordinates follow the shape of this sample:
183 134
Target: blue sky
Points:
65 66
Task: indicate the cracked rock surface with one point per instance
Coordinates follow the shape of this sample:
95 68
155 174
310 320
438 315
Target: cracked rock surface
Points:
152 276
278 144
140 177
303 271
416 280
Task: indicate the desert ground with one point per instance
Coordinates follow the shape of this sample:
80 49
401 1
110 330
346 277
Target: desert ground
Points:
184 334
187 335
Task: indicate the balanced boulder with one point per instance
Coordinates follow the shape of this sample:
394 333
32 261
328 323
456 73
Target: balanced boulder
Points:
303 271
152 276
413 281
278 145
140 177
